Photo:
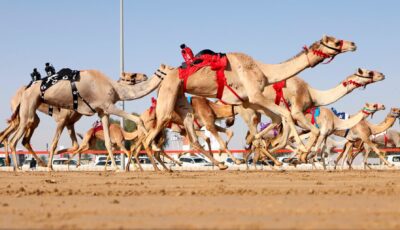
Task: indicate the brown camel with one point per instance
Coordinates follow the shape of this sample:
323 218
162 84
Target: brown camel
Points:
97 94
246 78
360 134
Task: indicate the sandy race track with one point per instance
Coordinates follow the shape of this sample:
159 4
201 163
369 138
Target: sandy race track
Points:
189 200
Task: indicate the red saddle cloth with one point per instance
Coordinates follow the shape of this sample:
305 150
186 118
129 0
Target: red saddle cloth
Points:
278 87
217 62
97 126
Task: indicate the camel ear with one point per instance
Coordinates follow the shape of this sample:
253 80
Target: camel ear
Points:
360 71
325 39
366 104
162 66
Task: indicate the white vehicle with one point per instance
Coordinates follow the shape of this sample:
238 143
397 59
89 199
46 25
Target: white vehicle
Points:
100 158
394 159
63 161
194 161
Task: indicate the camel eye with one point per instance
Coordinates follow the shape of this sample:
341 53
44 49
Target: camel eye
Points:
337 43
375 106
371 74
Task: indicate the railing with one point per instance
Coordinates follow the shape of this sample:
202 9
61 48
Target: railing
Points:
97 152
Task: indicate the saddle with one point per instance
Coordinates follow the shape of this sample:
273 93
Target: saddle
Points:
315 112
217 62
65 74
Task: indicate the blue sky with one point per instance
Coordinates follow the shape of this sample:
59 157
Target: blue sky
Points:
85 35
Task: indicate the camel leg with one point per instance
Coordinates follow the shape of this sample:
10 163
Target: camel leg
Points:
342 153
171 158
7 155
26 142
222 144
206 139
158 158
378 152
74 140
298 115
56 138
365 161
12 127
185 111
268 154
107 139
287 117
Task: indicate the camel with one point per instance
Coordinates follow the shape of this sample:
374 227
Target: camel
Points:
96 93
246 79
301 97
206 113
328 123
360 134
389 138
63 117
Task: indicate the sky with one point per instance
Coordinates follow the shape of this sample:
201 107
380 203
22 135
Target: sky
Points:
84 34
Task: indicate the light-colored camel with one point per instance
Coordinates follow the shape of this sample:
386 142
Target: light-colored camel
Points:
360 134
301 96
63 117
328 123
389 138
97 94
246 76
206 113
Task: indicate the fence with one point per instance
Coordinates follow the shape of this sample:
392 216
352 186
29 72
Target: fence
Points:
101 152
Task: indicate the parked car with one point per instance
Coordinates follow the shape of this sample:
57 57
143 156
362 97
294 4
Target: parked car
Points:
103 163
230 161
2 161
194 161
270 162
63 161
394 159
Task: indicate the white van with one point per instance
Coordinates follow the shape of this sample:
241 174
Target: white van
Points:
394 159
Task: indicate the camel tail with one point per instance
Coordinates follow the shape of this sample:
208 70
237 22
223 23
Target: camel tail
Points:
129 136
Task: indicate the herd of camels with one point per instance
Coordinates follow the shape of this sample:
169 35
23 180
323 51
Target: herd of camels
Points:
242 86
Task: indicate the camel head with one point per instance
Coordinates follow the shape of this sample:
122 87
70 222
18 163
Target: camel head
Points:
163 71
132 78
394 112
328 47
371 108
363 77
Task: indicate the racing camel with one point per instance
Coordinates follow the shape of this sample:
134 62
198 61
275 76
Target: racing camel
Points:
242 76
93 93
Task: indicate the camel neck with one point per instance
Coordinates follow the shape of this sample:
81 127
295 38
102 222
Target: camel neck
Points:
383 126
284 70
130 92
326 97
341 124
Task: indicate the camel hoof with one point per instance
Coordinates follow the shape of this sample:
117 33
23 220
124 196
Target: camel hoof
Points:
239 161
222 166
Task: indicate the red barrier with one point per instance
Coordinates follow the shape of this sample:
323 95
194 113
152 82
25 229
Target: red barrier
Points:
191 151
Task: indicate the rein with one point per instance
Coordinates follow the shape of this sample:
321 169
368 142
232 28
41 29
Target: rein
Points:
368 111
356 84
320 53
